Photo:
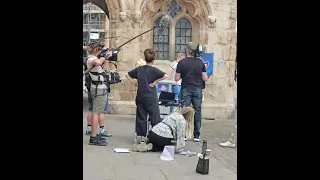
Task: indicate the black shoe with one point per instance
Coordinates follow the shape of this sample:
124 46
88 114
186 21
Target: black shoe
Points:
97 141
101 137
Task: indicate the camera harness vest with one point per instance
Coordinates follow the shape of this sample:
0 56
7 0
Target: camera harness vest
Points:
108 78
98 78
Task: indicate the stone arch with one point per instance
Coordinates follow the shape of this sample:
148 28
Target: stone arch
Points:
106 4
122 5
102 4
199 6
138 5
116 7
113 5
198 9
195 11
209 10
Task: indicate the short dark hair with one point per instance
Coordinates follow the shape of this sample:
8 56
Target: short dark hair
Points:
149 55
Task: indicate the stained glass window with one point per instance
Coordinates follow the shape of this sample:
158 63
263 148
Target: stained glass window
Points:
173 8
183 33
161 41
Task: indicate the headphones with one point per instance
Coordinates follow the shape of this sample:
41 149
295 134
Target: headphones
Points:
197 52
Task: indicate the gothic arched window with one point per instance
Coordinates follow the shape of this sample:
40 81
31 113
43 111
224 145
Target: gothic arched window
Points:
161 41
183 33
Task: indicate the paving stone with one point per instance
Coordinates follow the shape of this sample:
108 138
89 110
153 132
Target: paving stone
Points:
176 172
138 172
96 172
103 164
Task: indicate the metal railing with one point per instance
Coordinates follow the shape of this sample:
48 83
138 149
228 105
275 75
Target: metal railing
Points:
94 26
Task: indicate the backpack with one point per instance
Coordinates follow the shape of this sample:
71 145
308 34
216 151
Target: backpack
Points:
88 80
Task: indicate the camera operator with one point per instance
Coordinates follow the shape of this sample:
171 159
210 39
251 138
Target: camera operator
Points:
193 73
98 91
88 83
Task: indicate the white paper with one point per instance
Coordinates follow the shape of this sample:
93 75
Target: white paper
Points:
121 150
167 153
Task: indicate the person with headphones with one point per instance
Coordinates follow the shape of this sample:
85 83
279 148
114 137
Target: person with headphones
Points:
98 90
192 71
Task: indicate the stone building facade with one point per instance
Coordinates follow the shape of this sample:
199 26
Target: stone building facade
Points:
209 22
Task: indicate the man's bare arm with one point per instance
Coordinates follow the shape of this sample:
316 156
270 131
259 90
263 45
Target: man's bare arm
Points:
204 76
98 62
156 81
177 77
170 71
106 65
163 78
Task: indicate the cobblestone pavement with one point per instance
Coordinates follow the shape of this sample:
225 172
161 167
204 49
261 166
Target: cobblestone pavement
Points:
103 164
218 131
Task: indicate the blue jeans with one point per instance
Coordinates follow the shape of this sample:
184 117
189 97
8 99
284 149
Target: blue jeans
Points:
91 105
176 90
193 96
106 108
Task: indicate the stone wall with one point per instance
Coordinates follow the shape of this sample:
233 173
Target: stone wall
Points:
214 25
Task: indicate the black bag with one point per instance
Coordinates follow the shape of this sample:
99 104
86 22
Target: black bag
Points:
88 80
203 166
113 77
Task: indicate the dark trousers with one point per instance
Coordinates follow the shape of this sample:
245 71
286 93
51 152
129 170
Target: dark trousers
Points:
158 142
193 96
145 106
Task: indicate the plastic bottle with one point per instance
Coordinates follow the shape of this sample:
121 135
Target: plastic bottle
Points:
135 139
204 148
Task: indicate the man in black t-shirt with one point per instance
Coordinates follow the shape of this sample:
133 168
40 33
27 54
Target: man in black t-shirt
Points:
147 99
193 73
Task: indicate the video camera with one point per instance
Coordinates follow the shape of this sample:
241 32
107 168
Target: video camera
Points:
104 52
198 52
196 48
113 57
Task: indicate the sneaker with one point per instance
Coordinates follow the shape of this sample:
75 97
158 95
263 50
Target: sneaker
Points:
143 147
88 132
97 141
106 134
100 137
197 139
135 147
228 144
185 139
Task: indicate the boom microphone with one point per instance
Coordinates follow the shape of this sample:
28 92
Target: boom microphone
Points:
164 22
